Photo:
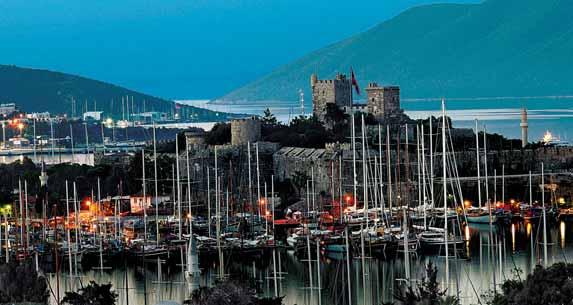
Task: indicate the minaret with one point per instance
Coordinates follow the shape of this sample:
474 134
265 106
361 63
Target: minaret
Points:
524 127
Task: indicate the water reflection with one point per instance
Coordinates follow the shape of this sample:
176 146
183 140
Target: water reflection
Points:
562 233
513 237
489 262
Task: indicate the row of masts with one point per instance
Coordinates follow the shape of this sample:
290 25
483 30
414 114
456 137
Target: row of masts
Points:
425 195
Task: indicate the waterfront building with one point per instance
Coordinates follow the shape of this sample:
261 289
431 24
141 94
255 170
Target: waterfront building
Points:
138 202
93 116
39 116
8 108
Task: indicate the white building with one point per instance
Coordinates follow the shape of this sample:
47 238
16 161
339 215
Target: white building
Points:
39 116
137 202
93 115
7 109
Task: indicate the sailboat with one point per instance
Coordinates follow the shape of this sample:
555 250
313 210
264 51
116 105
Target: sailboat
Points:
443 230
479 214
193 270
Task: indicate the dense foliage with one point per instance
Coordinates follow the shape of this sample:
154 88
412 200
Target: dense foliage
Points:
219 134
42 90
427 292
548 286
229 293
114 180
92 294
478 50
20 283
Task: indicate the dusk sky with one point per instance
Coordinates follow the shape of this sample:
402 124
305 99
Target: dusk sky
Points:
179 49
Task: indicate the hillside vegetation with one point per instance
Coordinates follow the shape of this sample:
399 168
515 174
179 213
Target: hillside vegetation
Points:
496 48
36 90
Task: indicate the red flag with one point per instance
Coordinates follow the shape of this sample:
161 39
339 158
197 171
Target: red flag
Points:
354 82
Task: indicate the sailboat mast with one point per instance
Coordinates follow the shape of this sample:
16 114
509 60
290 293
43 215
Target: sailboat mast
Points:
340 188
419 167
354 175
72 142
488 202
364 172
425 197
218 217
310 276
531 233
178 186
250 178
445 190
258 181
503 183
544 215
209 201
380 173
98 224
389 170
67 227
188 190
478 166
348 283
155 187
431 161
144 195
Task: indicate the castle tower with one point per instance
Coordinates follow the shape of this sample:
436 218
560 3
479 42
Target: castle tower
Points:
524 126
382 101
245 130
330 93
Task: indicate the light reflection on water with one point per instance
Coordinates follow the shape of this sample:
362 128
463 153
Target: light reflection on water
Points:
510 250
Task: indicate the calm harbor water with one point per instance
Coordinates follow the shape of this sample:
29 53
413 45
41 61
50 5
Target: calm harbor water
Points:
469 278
501 115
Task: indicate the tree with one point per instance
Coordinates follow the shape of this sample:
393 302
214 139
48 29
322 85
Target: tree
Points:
269 118
92 294
550 286
427 293
20 283
229 293
219 134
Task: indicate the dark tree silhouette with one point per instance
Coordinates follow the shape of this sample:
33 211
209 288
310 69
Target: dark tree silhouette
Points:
548 286
229 293
428 292
20 283
92 294
269 118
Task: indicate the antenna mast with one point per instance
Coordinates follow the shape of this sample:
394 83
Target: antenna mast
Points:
301 99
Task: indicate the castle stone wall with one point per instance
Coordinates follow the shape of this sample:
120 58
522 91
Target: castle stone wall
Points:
336 91
383 101
245 130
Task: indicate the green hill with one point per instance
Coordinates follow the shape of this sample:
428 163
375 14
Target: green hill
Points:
36 90
496 48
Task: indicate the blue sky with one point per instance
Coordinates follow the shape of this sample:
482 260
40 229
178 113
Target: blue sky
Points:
179 48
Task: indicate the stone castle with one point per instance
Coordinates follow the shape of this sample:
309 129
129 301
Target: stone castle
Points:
383 102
